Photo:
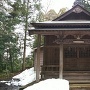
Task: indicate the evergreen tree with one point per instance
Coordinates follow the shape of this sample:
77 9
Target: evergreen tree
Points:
83 3
86 4
80 2
25 10
8 39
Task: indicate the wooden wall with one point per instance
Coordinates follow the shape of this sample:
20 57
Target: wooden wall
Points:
76 63
35 57
51 56
50 40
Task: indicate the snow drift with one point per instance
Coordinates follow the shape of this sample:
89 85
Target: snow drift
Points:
24 78
50 84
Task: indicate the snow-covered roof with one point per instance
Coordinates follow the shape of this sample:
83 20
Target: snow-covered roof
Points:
67 21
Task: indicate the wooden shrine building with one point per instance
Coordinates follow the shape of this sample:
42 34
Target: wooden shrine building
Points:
66 49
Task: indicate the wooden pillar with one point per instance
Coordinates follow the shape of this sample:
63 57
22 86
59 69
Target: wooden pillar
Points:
61 62
38 59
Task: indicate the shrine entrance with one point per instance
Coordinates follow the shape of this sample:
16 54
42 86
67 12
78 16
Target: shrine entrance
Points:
76 58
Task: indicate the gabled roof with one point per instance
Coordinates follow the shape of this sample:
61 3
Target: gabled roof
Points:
76 13
75 19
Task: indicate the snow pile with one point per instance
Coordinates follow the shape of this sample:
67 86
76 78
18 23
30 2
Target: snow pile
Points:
50 84
24 78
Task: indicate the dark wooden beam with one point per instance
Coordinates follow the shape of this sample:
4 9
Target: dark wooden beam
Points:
69 31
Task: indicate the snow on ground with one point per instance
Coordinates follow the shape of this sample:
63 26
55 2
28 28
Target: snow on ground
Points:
24 78
29 75
50 84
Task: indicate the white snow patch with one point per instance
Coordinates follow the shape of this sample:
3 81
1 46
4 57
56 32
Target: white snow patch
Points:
29 75
50 84
24 78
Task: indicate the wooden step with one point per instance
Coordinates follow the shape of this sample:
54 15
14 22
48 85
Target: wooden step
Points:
79 81
79 86
77 75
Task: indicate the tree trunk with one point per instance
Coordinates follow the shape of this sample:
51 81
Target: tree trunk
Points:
26 28
11 61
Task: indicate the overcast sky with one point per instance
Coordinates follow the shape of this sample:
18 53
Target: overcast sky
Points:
57 4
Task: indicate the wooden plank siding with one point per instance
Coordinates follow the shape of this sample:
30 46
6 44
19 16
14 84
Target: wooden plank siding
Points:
35 58
51 56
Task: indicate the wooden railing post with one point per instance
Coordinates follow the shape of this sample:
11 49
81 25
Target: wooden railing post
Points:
38 59
61 62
